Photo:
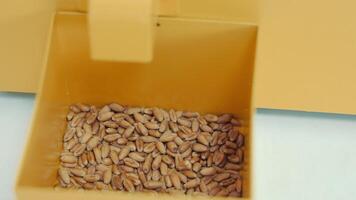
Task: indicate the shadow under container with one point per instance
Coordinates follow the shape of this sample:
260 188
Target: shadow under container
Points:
199 65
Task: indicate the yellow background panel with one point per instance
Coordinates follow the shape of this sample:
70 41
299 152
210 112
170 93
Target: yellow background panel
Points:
306 56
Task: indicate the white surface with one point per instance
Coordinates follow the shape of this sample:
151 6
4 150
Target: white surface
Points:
304 156
15 114
296 155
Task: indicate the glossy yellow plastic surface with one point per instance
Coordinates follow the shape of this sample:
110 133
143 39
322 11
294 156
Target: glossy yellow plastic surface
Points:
24 31
305 50
72 5
237 10
121 30
199 65
306 56
25 26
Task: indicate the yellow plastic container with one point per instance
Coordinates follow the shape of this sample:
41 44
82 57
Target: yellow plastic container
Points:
198 65
303 62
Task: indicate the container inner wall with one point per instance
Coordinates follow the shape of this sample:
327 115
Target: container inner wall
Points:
198 65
